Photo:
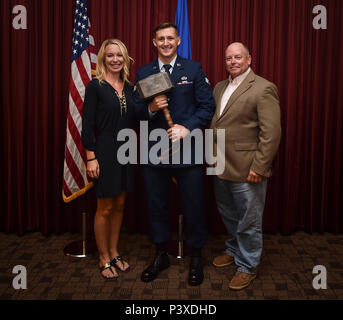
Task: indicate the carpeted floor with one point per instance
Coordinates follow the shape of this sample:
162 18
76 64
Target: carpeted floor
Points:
286 270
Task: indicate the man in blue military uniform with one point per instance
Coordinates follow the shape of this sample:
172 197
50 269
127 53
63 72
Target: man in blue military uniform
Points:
191 106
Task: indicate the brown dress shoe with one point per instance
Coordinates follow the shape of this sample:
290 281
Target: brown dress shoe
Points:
223 260
241 280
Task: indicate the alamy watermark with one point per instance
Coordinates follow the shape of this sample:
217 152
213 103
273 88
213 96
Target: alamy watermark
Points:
320 20
20 280
319 281
20 20
197 148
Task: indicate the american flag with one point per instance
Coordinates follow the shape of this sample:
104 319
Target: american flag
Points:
75 180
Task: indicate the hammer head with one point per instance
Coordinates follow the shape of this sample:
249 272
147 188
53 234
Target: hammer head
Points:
154 85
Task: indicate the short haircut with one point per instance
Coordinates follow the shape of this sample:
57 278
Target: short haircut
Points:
242 44
165 25
246 48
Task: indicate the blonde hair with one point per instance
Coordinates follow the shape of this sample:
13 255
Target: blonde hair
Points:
101 68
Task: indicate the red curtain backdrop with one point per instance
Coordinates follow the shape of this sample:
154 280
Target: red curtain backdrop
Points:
306 190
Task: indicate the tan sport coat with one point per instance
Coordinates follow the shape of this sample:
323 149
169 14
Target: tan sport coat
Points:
251 120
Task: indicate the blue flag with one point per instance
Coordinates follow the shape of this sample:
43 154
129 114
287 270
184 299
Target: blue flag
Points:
181 21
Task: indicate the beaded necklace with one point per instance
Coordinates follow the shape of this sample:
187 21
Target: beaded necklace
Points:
122 101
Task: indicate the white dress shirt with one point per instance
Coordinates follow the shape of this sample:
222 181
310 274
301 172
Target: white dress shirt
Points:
230 89
172 63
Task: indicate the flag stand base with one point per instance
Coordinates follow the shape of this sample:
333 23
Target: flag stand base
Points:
81 248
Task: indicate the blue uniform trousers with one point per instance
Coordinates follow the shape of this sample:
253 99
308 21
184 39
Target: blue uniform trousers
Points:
190 186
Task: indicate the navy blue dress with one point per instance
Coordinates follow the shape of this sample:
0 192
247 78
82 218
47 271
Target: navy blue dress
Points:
102 119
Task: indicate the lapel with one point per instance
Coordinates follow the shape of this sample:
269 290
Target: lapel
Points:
177 70
243 87
155 67
221 92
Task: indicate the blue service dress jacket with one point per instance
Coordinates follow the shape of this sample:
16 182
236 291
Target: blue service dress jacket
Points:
190 103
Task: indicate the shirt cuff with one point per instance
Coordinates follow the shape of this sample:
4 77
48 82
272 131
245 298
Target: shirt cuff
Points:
151 114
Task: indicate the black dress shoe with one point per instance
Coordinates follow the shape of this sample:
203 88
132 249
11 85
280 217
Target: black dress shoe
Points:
160 263
196 274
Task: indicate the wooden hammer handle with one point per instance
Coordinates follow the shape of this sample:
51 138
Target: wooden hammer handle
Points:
168 117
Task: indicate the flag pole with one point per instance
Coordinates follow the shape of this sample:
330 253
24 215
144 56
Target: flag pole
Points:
75 179
177 248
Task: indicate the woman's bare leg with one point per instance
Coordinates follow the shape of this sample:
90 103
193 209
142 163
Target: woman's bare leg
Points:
116 219
102 230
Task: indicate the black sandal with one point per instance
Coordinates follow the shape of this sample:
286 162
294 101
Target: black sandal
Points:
107 265
121 260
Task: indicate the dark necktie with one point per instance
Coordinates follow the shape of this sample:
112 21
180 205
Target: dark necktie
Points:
167 67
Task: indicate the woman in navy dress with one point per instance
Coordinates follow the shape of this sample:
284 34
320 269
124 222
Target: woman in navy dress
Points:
108 108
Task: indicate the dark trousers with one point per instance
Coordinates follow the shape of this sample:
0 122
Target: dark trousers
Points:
190 186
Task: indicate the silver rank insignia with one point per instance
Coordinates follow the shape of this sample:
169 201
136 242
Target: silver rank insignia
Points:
207 81
178 64
134 88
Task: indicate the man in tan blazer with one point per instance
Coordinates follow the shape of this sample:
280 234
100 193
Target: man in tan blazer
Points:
249 112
